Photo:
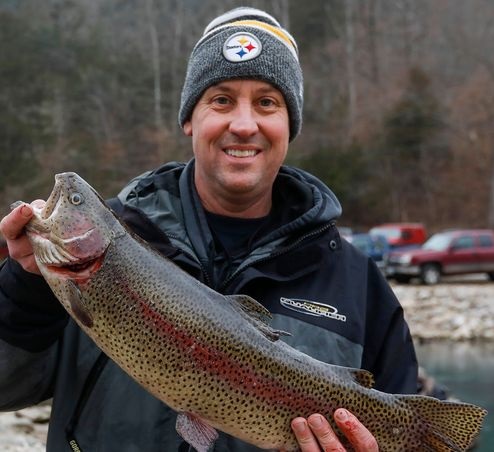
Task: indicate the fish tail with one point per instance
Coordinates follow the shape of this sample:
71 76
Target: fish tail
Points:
447 426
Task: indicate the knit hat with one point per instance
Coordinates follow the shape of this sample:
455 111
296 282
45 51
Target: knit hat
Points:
245 43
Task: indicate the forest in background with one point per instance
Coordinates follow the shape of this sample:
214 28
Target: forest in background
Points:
398 114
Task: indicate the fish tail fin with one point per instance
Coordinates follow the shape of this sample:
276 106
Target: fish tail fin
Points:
447 426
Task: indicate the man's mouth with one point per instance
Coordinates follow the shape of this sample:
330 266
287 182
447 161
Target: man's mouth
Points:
242 153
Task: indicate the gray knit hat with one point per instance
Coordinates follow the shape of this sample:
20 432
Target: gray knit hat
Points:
245 43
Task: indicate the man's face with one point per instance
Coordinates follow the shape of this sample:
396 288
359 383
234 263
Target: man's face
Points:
240 132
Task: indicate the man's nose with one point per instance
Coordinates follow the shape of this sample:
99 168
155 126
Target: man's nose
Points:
244 121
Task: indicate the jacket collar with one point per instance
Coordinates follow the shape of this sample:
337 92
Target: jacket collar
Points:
167 196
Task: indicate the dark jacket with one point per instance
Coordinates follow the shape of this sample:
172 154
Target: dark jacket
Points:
332 299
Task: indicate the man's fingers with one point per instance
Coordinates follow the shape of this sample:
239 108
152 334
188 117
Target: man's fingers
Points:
324 434
12 228
315 434
13 224
358 436
304 435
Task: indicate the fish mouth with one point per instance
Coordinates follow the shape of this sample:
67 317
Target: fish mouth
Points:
53 254
69 267
43 211
80 271
53 250
53 201
62 181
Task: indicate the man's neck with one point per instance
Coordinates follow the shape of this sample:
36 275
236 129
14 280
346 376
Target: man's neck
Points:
237 207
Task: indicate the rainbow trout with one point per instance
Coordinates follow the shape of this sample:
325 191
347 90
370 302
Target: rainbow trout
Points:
212 358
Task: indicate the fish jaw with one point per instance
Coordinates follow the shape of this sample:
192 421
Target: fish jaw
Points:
71 231
56 261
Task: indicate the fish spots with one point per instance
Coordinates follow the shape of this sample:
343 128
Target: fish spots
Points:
190 348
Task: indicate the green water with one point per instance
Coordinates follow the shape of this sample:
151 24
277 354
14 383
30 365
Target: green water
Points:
468 371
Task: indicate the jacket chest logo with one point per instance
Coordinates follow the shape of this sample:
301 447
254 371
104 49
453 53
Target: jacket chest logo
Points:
312 308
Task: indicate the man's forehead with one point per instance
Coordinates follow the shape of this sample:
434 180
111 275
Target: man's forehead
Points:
236 85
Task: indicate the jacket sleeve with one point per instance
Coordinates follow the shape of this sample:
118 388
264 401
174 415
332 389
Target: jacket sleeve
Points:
31 318
389 352
31 321
26 378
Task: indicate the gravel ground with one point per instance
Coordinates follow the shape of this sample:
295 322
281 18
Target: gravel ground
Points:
25 430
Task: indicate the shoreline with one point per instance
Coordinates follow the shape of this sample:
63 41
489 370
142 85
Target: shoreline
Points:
455 311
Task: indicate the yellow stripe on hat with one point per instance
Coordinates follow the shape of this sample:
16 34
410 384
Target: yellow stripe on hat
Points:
279 32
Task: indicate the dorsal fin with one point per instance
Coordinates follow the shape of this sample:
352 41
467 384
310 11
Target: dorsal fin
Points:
252 307
361 376
256 314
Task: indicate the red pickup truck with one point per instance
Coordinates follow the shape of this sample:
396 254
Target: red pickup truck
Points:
401 235
453 252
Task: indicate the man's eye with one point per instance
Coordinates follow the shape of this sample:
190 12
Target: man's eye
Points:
267 102
221 100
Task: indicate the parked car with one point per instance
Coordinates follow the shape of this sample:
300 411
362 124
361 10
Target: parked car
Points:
374 246
401 235
445 253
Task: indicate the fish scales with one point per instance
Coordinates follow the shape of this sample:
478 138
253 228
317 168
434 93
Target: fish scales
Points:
211 357
217 355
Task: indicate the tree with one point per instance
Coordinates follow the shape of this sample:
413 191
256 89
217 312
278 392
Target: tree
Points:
410 128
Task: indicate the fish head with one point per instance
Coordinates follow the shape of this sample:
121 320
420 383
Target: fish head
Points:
72 230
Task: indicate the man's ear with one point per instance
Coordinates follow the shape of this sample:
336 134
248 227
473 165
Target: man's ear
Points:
188 128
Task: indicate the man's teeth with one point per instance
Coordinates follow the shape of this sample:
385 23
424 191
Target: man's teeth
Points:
241 152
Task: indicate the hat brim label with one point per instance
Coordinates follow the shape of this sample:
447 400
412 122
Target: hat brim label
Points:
242 47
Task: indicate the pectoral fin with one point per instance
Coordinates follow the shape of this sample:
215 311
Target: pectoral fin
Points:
79 311
196 432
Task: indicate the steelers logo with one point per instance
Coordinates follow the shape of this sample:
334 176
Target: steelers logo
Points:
241 47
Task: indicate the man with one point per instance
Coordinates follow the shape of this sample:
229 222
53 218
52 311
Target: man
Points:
237 220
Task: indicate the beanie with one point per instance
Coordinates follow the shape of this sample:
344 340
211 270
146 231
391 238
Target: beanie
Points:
245 43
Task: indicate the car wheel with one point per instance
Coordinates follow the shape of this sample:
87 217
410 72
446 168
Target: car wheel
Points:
491 276
402 279
430 274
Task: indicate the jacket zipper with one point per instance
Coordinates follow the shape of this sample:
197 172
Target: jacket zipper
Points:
278 253
204 271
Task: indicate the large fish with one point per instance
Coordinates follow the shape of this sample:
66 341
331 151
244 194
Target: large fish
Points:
210 357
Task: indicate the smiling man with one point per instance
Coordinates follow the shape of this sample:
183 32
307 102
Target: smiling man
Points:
240 221
240 133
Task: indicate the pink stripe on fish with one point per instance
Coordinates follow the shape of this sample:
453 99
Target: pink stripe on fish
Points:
224 367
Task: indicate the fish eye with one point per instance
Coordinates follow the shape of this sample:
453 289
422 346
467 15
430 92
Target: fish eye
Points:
76 199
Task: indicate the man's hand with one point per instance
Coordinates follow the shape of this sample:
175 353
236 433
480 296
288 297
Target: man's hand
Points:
12 228
315 434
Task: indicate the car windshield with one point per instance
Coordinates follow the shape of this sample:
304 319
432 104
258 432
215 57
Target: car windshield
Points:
389 233
438 242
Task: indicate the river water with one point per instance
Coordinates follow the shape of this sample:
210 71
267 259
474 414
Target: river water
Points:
467 369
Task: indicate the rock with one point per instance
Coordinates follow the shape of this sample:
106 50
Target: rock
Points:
449 311
25 430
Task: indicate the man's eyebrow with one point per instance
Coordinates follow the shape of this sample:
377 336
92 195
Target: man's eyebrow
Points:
223 86
270 89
